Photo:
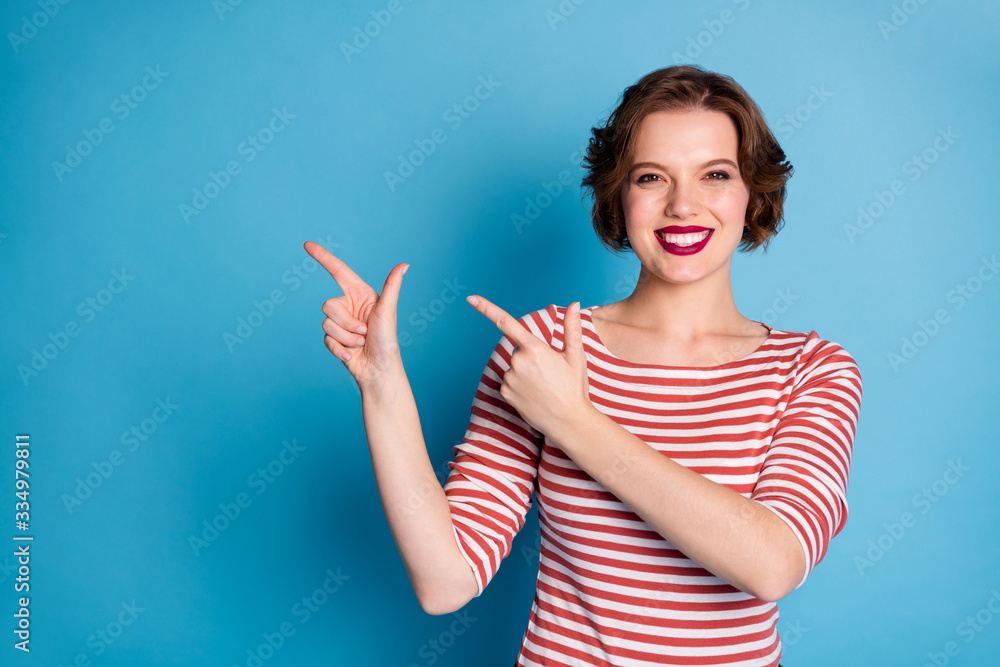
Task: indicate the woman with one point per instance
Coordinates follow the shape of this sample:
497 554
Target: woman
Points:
690 465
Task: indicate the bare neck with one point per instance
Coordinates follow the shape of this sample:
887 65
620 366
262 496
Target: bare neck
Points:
682 311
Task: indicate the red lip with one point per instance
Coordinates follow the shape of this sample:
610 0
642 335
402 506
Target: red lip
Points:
675 229
683 250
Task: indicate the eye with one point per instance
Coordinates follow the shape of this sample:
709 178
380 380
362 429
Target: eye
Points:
640 179
718 175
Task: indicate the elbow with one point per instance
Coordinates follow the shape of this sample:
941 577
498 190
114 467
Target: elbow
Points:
435 608
447 587
447 597
782 570
439 605
781 579
771 591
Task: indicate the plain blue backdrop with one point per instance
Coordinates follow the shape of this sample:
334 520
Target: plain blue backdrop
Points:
163 163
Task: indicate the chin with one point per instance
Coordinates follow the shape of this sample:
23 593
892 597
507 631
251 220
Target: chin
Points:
684 277
677 274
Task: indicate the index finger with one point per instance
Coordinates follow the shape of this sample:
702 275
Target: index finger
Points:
342 273
514 330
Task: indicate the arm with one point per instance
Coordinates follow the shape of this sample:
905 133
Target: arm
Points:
413 500
766 544
360 330
495 467
735 538
453 540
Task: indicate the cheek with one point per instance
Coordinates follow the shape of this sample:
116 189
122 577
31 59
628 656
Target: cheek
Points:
637 208
630 212
730 206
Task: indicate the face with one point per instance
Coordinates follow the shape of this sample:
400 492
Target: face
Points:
684 200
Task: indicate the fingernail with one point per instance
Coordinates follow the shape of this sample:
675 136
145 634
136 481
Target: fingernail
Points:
346 356
405 269
361 341
473 301
361 330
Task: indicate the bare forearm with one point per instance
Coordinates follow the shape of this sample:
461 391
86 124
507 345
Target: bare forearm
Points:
736 538
414 502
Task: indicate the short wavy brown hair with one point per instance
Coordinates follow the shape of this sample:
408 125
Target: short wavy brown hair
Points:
686 88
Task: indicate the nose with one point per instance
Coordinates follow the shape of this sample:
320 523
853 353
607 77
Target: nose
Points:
682 200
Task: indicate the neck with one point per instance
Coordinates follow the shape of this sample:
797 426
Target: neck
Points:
684 311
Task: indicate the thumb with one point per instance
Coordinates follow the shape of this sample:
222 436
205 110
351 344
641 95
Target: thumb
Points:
573 335
390 291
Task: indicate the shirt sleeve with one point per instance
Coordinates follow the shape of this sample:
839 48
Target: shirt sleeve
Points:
805 473
492 477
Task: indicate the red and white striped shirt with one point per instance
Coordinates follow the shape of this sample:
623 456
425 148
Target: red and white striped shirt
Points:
776 426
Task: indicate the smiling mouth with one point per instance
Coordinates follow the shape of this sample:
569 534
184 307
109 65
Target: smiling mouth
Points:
684 240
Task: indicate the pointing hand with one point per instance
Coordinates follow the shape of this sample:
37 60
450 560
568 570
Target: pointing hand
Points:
360 326
545 386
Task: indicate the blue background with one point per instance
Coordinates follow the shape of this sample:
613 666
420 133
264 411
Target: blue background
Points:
885 593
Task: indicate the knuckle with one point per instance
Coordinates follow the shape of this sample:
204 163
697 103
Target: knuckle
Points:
330 306
339 334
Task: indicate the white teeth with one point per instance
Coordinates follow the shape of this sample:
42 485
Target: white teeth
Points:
685 239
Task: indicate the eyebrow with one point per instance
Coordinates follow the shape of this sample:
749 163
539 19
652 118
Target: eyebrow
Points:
706 165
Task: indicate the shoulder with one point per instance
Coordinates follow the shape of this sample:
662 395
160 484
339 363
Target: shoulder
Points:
546 324
813 359
541 323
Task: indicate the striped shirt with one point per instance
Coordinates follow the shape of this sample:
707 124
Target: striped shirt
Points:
776 426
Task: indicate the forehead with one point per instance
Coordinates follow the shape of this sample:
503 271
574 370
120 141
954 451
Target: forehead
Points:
685 136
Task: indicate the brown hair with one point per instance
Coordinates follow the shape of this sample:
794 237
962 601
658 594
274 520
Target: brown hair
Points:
681 88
